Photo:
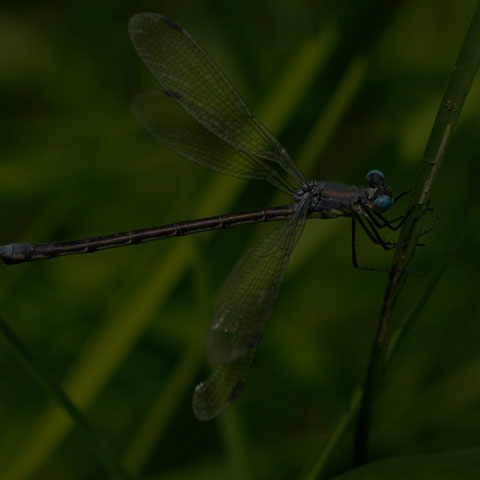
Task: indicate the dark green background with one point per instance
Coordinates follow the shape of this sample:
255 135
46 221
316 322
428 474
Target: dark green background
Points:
74 163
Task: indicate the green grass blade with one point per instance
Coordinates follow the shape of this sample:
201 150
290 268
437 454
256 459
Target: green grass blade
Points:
464 464
52 388
178 384
235 445
316 467
312 56
449 110
100 358
163 407
319 461
401 333
328 121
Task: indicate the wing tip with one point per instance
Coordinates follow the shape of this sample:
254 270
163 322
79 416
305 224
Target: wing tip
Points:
205 408
201 408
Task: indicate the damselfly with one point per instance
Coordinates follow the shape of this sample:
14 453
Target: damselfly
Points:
201 116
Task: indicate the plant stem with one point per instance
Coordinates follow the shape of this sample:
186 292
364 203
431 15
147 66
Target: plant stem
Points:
449 110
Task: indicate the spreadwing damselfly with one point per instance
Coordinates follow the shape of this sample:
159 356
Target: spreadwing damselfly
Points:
199 115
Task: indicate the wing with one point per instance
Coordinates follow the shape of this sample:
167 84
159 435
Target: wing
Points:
242 313
190 78
167 121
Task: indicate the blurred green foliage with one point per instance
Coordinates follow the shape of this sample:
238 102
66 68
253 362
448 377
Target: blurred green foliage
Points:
125 328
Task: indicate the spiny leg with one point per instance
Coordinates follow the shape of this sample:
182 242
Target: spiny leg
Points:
372 232
372 269
354 250
389 223
401 195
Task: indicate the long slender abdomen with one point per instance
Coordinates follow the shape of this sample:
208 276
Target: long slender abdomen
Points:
27 252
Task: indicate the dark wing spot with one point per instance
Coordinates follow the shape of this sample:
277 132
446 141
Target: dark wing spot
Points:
172 94
173 24
235 391
253 340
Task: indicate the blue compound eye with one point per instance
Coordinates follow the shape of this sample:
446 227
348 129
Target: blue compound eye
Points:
375 178
373 172
382 203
